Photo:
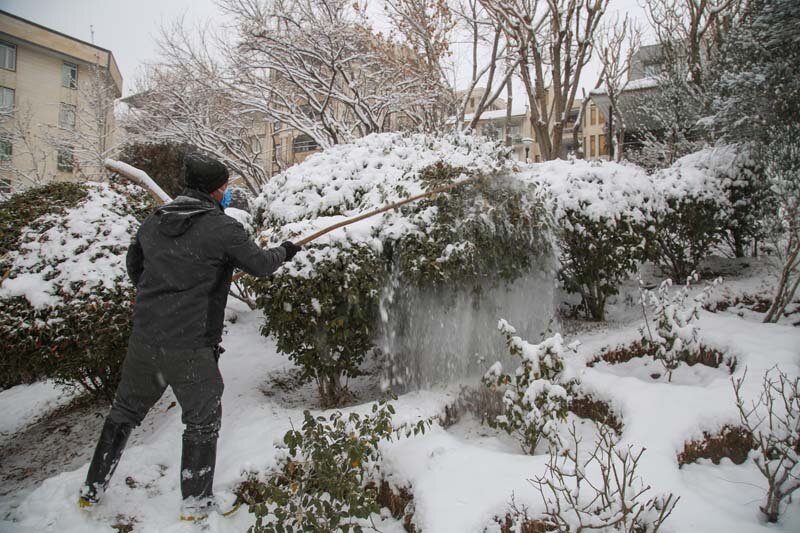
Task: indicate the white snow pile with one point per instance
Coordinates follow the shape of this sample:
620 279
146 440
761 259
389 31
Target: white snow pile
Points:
598 190
79 251
605 190
349 180
706 174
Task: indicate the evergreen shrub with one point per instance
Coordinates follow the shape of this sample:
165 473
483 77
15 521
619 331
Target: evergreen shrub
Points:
65 301
328 473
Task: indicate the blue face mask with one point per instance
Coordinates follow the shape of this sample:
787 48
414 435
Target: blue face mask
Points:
226 199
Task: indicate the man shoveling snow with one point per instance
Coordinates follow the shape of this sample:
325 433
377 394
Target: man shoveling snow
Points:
181 263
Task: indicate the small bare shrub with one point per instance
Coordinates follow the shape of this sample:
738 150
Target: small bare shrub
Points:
577 499
773 419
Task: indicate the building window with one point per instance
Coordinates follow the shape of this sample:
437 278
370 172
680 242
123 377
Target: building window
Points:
69 75
304 143
5 185
8 56
66 116
652 70
603 148
65 160
593 114
5 150
6 100
514 133
593 146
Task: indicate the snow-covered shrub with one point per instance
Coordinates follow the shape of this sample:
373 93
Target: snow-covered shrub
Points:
602 220
535 402
691 213
733 442
673 338
328 473
773 420
65 302
601 490
324 319
323 306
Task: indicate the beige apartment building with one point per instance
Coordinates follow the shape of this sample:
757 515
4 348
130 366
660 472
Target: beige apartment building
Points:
51 117
496 124
594 133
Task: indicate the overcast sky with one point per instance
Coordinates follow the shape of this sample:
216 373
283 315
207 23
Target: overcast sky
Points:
129 28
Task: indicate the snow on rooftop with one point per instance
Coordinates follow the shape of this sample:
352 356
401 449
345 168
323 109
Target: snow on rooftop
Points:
497 113
633 85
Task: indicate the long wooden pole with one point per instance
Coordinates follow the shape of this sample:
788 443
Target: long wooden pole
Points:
389 207
141 178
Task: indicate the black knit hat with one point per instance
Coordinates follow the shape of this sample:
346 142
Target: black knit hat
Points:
204 173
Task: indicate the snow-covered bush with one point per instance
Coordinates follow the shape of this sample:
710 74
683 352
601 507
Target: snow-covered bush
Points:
601 490
602 219
65 301
674 338
325 319
323 306
691 213
328 473
535 402
773 420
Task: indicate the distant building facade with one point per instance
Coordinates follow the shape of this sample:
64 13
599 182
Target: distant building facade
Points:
496 123
41 72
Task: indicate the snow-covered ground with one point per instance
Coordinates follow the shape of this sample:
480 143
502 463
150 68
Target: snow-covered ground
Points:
461 477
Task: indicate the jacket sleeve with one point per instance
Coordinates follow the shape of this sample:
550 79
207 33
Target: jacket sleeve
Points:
134 261
246 255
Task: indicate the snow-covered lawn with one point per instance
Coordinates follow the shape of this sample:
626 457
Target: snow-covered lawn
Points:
461 477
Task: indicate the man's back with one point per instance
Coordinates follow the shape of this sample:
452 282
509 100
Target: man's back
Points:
182 262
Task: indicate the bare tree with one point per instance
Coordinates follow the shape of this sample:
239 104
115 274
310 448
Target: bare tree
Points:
554 40
28 163
617 42
686 28
89 135
491 63
317 66
774 421
186 99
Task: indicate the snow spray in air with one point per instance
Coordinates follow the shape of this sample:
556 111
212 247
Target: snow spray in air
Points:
444 335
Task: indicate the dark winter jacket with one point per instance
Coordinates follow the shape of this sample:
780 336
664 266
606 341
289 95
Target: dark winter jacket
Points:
181 263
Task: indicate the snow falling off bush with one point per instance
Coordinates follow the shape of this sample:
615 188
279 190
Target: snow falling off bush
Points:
323 307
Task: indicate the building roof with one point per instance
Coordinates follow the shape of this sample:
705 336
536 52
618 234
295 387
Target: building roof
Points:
497 113
22 31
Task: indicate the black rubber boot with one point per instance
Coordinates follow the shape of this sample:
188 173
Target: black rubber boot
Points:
109 449
198 461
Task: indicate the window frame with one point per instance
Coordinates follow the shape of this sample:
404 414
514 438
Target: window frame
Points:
62 113
73 81
13 48
61 159
6 155
13 92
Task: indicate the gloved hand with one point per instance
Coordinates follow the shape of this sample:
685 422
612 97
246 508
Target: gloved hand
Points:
291 249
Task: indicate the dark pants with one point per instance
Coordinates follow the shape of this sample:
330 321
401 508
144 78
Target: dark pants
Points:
194 377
